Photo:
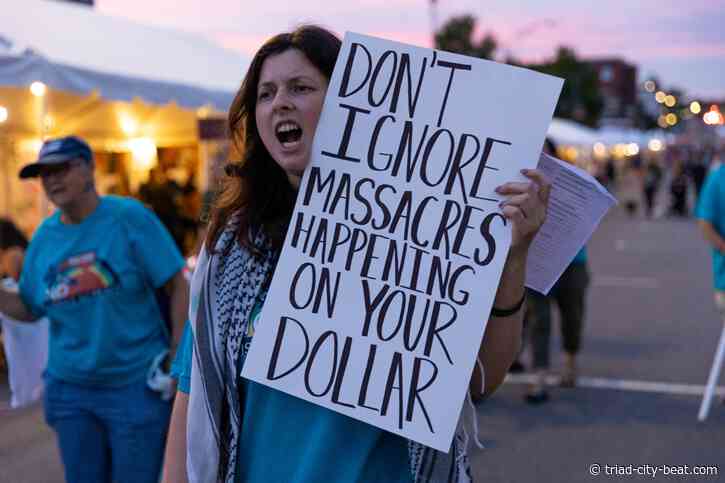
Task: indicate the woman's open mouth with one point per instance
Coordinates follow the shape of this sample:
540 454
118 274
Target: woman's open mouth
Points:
288 134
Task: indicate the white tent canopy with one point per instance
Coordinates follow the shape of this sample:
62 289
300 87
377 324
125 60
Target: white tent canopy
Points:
615 135
563 131
73 48
566 132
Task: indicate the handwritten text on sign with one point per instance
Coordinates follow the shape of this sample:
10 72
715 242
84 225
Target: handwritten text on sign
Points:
396 246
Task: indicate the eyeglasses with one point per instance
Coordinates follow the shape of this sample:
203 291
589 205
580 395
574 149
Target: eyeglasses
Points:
60 169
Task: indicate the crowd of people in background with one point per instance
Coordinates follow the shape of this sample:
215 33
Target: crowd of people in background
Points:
662 184
671 185
13 244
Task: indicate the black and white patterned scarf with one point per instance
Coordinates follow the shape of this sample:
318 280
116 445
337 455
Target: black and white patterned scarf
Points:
224 289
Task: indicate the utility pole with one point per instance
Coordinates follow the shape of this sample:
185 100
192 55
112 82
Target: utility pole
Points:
433 9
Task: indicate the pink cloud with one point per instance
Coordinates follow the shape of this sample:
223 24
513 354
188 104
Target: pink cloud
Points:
640 32
247 44
421 39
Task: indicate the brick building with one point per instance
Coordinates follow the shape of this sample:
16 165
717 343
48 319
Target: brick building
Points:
618 85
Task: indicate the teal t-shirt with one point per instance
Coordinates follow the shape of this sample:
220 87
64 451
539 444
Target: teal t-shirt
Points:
711 208
581 256
181 365
96 282
288 439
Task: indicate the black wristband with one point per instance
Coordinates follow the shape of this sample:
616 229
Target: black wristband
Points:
496 312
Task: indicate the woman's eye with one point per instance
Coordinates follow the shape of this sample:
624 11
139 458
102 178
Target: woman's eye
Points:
264 95
301 88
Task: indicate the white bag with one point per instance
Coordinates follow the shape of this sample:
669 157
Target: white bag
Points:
26 352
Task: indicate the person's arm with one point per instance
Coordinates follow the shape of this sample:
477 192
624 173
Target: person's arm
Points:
12 262
525 208
711 235
178 290
175 454
13 306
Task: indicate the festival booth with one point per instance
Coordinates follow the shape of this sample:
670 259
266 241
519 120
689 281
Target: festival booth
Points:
591 149
140 95
574 141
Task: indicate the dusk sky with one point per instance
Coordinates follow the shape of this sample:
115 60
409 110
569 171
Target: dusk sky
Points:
680 42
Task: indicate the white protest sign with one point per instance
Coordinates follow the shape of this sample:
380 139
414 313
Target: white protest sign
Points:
394 252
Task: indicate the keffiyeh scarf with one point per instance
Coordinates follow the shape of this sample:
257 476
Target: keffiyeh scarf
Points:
224 288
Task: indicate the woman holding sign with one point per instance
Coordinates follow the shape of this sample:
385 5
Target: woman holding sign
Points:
225 428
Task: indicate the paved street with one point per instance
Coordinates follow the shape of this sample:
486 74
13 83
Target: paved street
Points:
651 320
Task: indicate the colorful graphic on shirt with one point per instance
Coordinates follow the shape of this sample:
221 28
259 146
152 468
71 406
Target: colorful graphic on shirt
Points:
252 324
80 275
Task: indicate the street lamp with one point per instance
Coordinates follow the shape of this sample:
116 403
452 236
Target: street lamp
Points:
3 114
713 117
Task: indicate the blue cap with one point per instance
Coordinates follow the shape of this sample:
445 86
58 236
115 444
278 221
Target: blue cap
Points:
56 151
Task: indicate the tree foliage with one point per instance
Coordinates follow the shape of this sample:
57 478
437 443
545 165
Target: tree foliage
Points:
458 35
580 98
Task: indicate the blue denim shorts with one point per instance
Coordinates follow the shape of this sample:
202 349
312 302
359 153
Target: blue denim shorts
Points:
108 434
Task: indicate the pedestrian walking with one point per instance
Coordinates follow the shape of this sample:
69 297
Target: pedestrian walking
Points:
630 189
569 294
93 269
651 184
678 191
225 428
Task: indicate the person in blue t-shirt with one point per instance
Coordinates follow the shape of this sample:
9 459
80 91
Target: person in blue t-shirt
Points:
710 211
93 269
226 428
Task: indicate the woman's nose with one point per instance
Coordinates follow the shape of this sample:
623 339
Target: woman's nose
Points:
282 101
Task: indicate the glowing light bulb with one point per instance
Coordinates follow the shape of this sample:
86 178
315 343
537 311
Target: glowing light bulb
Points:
38 89
654 145
129 125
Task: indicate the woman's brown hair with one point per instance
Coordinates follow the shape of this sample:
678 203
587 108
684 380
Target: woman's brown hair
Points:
256 187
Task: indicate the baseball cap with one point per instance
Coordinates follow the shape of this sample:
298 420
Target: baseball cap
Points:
56 151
